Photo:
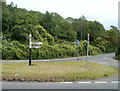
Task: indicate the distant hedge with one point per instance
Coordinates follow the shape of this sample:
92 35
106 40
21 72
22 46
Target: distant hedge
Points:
18 51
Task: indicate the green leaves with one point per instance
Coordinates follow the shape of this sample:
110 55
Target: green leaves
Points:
101 44
56 33
14 50
57 26
118 53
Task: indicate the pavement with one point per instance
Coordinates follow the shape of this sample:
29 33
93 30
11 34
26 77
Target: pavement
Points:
103 83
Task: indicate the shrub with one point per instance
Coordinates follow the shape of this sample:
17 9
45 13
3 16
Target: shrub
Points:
14 50
118 52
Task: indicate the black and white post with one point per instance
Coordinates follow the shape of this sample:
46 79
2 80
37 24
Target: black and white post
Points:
87 49
30 51
32 45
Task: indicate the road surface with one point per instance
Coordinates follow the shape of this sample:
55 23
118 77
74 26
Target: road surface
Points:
107 59
104 83
60 85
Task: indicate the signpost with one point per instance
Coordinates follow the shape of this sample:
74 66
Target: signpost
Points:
36 47
77 43
36 43
33 45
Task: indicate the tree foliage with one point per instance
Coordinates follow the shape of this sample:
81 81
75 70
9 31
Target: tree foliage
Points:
56 33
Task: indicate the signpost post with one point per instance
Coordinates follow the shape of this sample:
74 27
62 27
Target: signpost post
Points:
30 49
87 50
77 43
33 45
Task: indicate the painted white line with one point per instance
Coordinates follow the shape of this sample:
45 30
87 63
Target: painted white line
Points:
105 58
65 82
115 81
84 82
115 60
101 82
94 82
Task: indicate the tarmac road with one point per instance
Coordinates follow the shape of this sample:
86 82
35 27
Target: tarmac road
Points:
107 59
58 85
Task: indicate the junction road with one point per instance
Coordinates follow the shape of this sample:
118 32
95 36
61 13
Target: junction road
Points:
107 59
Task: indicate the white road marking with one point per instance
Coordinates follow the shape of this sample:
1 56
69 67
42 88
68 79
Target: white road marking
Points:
101 82
94 82
105 58
115 81
65 82
84 82
115 60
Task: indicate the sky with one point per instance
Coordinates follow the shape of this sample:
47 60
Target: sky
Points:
104 11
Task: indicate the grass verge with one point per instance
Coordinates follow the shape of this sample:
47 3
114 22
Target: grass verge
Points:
55 71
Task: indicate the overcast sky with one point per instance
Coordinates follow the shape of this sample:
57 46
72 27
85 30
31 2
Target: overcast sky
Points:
104 11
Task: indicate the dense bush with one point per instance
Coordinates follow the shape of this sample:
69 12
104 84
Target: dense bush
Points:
14 50
64 50
92 50
118 52
103 45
